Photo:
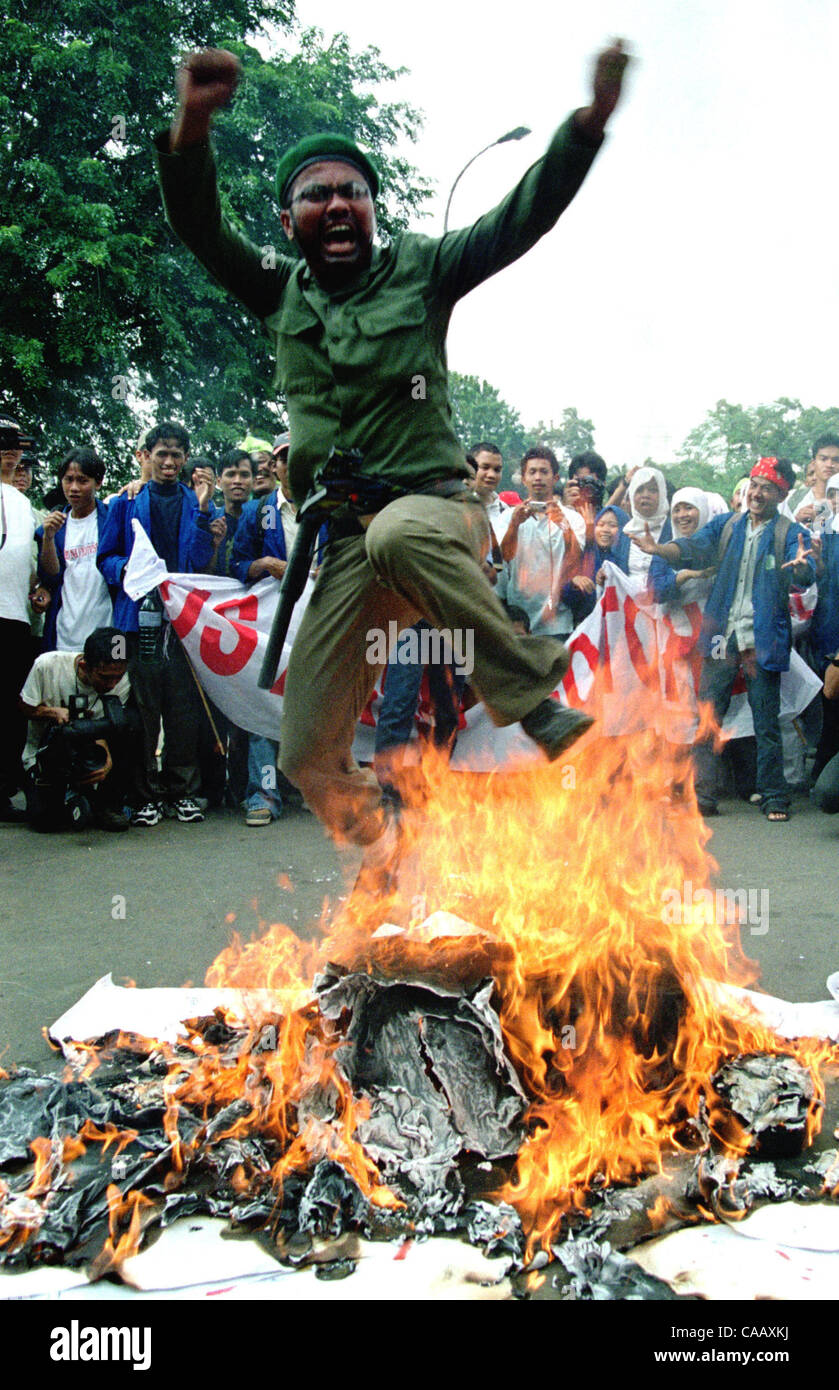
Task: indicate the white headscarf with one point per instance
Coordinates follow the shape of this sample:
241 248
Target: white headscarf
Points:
637 524
695 497
717 505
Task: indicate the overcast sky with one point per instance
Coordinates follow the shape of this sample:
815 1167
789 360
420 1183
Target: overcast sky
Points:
699 260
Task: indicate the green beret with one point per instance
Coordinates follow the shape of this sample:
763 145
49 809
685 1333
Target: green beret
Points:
314 149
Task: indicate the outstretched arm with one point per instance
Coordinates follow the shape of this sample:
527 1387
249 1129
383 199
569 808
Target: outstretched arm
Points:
470 256
187 173
206 81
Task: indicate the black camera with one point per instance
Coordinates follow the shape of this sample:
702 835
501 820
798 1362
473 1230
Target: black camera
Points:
592 489
11 439
71 752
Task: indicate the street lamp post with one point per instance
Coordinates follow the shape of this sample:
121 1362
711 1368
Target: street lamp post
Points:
517 134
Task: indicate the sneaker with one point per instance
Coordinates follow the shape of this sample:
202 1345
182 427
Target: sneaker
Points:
554 727
10 815
150 814
258 815
187 810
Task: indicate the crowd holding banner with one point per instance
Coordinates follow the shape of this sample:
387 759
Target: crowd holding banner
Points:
200 582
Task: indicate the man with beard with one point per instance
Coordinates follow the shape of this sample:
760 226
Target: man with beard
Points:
360 339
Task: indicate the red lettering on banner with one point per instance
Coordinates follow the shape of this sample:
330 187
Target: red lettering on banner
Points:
647 671
587 650
367 712
231 663
188 616
681 647
278 688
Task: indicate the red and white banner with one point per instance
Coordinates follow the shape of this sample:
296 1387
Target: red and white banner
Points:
224 629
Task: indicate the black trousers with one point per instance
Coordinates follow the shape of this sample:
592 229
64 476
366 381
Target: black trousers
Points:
165 690
17 652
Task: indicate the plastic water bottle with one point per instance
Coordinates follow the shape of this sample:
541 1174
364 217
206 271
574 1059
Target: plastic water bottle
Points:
150 620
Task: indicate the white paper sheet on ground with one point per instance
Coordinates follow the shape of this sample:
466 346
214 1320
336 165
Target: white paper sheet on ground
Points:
160 1013
46 1282
154 1013
788 1020
437 926
766 1255
192 1261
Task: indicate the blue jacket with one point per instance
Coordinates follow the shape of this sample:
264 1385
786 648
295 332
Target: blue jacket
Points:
773 630
195 545
824 629
255 538
55 582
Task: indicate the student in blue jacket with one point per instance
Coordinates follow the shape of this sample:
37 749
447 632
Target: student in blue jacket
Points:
68 542
746 622
177 520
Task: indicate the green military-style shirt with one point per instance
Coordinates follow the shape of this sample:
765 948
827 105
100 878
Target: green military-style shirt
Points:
365 367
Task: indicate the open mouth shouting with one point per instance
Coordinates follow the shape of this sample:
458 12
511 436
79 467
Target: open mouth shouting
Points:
339 237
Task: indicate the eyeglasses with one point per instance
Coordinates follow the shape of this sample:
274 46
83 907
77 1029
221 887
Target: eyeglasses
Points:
318 193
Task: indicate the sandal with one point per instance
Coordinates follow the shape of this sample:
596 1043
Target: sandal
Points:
775 814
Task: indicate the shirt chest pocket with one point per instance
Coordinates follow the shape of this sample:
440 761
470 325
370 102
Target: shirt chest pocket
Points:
302 362
390 338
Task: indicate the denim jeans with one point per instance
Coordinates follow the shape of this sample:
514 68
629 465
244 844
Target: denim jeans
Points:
262 775
763 689
401 695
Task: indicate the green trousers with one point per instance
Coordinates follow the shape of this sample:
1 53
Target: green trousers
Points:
420 557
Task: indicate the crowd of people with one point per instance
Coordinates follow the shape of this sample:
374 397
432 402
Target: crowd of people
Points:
106 721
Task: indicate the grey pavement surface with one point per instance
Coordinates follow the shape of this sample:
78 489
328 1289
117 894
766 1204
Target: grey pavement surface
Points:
62 896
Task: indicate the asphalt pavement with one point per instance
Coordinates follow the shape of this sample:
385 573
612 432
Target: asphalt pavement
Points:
157 905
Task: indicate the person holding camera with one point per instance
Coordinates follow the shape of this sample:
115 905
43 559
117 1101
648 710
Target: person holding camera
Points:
77 755
542 548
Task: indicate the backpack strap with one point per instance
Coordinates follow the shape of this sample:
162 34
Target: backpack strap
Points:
782 525
724 540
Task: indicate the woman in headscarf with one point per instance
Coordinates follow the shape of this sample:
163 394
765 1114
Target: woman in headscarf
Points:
738 496
608 543
647 497
690 510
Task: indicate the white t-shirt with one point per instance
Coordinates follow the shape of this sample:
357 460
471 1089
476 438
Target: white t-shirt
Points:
499 516
52 680
18 521
85 601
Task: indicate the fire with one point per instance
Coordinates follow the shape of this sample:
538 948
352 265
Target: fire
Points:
123 1240
610 1006
609 1009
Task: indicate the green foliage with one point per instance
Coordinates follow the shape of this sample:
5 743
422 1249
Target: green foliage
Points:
573 435
108 322
479 413
732 438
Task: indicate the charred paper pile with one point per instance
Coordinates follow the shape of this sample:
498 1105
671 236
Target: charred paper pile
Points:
386 1106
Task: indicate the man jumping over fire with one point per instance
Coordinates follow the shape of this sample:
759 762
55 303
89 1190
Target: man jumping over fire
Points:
359 333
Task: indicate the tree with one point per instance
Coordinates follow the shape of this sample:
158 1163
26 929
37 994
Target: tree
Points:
479 413
107 320
573 435
732 438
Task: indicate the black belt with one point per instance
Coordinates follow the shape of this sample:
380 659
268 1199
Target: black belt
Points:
347 523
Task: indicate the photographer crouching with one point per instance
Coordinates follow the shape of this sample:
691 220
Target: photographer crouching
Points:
78 751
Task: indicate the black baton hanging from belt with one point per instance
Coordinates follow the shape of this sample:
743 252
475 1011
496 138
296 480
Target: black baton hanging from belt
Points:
310 519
